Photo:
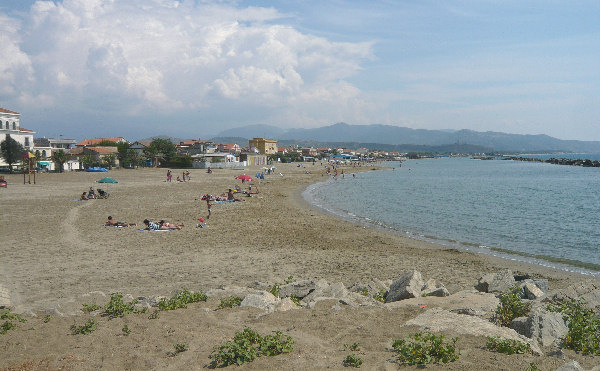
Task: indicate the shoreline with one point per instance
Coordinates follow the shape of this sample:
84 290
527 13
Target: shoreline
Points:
61 257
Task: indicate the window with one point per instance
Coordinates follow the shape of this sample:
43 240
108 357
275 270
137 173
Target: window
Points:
14 125
26 140
44 154
6 125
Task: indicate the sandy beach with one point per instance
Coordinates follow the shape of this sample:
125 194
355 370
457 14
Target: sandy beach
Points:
57 254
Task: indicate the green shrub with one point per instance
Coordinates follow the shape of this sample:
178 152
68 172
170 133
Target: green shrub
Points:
353 360
180 347
584 326
47 318
364 291
425 348
87 328
6 326
230 302
295 299
289 280
154 315
181 299
274 290
88 308
8 315
511 306
117 308
126 331
507 346
355 347
380 295
248 345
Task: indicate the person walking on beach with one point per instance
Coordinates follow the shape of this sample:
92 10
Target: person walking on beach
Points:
208 205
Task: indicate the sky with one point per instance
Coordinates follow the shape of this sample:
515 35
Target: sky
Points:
192 68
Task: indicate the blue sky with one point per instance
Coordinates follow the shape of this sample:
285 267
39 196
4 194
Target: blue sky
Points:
136 68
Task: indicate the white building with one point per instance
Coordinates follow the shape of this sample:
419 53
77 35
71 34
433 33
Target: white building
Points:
10 124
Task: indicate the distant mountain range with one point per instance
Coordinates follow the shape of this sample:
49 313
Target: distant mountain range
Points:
396 136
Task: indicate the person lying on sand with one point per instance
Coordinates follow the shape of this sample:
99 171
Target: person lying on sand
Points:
111 223
163 224
84 196
152 226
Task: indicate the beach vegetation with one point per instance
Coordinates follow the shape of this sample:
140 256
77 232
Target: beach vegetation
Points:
154 315
180 347
355 347
274 290
364 291
8 315
424 347
380 296
6 326
126 330
507 346
181 299
85 329
47 318
248 345
116 307
295 299
511 306
533 367
352 360
583 324
88 308
230 302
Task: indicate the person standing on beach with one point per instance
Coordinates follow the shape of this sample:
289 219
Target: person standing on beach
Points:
208 205
169 176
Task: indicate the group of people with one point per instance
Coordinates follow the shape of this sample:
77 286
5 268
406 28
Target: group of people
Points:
91 194
185 176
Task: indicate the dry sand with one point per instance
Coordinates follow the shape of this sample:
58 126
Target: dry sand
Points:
56 255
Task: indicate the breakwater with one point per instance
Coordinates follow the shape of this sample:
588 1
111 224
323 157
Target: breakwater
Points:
558 161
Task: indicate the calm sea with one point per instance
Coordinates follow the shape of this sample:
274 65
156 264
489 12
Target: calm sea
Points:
536 212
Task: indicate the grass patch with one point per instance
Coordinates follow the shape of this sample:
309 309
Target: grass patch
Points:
116 307
181 299
88 308
511 306
507 346
248 345
424 347
380 295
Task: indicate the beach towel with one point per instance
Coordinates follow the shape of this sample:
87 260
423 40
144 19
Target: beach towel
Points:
221 202
157 230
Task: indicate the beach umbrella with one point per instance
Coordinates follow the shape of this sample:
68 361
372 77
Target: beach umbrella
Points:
107 180
245 177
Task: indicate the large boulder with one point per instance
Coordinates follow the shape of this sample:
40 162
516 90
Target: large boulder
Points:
531 291
434 288
588 290
299 289
571 366
496 282
261 300
438 320
548 328
408 285
324 290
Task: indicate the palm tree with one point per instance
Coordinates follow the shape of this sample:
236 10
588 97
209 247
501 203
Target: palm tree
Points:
59 158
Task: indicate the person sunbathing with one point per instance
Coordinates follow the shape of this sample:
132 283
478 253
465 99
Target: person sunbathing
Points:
111 223
152 226
84 196
170 226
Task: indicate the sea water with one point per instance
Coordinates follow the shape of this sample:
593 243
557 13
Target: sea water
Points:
536 212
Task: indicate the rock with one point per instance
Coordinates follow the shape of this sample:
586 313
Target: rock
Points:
437 320
571 366
336 290
541 283
548 328
299 289
407 286
496 282
285 304
434 288
531 291
588 290
262 300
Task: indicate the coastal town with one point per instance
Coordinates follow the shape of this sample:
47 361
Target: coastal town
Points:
64 154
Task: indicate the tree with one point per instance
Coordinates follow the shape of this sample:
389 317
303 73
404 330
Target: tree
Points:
88 160
11 151
109 160
135 157
59 158
161 149
123 155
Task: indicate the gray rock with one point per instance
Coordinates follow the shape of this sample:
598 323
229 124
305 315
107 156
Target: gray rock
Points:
285 304
4 297
541 283
571 366
262 300
434 288
548 328
496 282
588 290
407 286
531 291
336 290
438 320
299 289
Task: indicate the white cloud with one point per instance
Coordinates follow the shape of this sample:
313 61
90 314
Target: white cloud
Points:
164 55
